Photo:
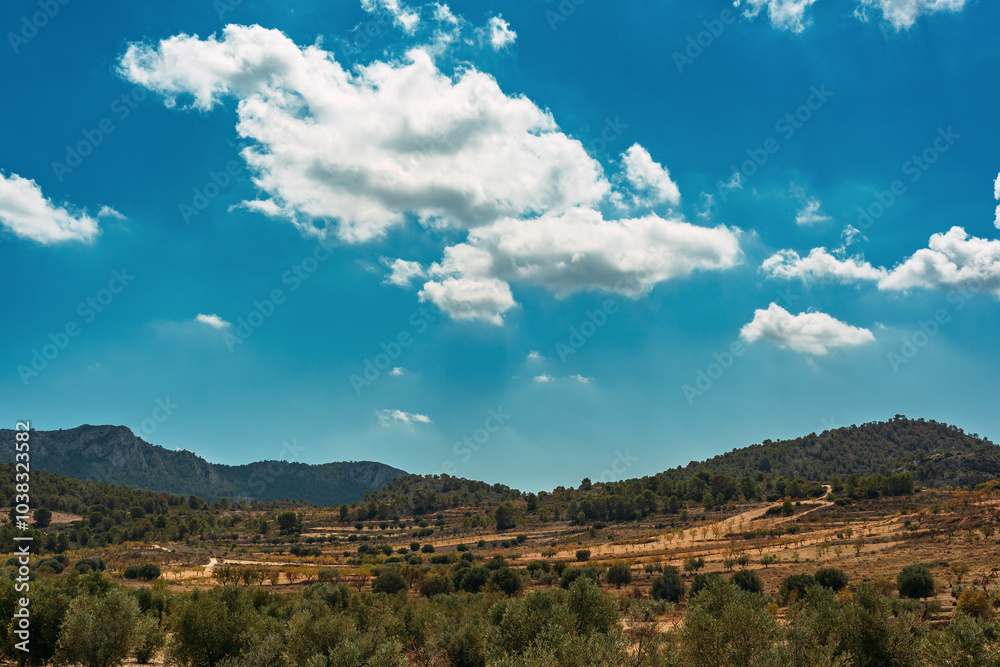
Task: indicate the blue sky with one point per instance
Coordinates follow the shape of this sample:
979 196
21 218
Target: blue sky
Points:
586 239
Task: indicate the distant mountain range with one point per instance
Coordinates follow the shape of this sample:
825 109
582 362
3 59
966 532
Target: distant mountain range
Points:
115 455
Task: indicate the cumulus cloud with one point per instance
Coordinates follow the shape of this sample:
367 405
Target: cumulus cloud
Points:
365 148
391 417
356 153
402 273
819 265
397 371
902 14
542 379
29 214
784 14
578 250
952 260
212 320
500 34
812 333
582 379
535 355
650 179
403 16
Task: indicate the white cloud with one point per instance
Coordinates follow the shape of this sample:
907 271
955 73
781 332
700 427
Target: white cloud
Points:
500 34
402 273
851 235
649 178
443 14
397 371
819 265
580 250
391 417
28 214
996 195
581 379
358 153
902 14
212 320
362 149
470 298
405 18
952 260
542 379
108 212
811 214
812 333
535 355
784 14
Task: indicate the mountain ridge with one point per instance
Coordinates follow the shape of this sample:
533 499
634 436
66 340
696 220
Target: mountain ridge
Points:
114 454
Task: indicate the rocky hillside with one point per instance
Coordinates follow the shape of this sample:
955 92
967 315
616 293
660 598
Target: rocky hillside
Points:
115 455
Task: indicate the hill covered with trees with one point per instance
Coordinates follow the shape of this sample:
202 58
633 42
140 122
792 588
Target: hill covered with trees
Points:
115 455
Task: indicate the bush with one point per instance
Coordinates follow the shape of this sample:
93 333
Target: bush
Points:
668 586
496 563
85 565
571 574
147 571
618 574
432 586
583 555
727 626
390 582
975 603
427 548
507 580
794 587
98 630
414 546
915 581
749 581
470 579
702 581
53 564
832 578
149 638
694 564
211 626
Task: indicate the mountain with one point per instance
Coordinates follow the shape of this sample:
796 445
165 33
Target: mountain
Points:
932 452
115 455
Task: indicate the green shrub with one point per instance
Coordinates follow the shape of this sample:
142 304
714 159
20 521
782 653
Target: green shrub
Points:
795 586
571 574
915 581
748 580
390 582
669 586
507 580
619 574
432 586
832 578
99 631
